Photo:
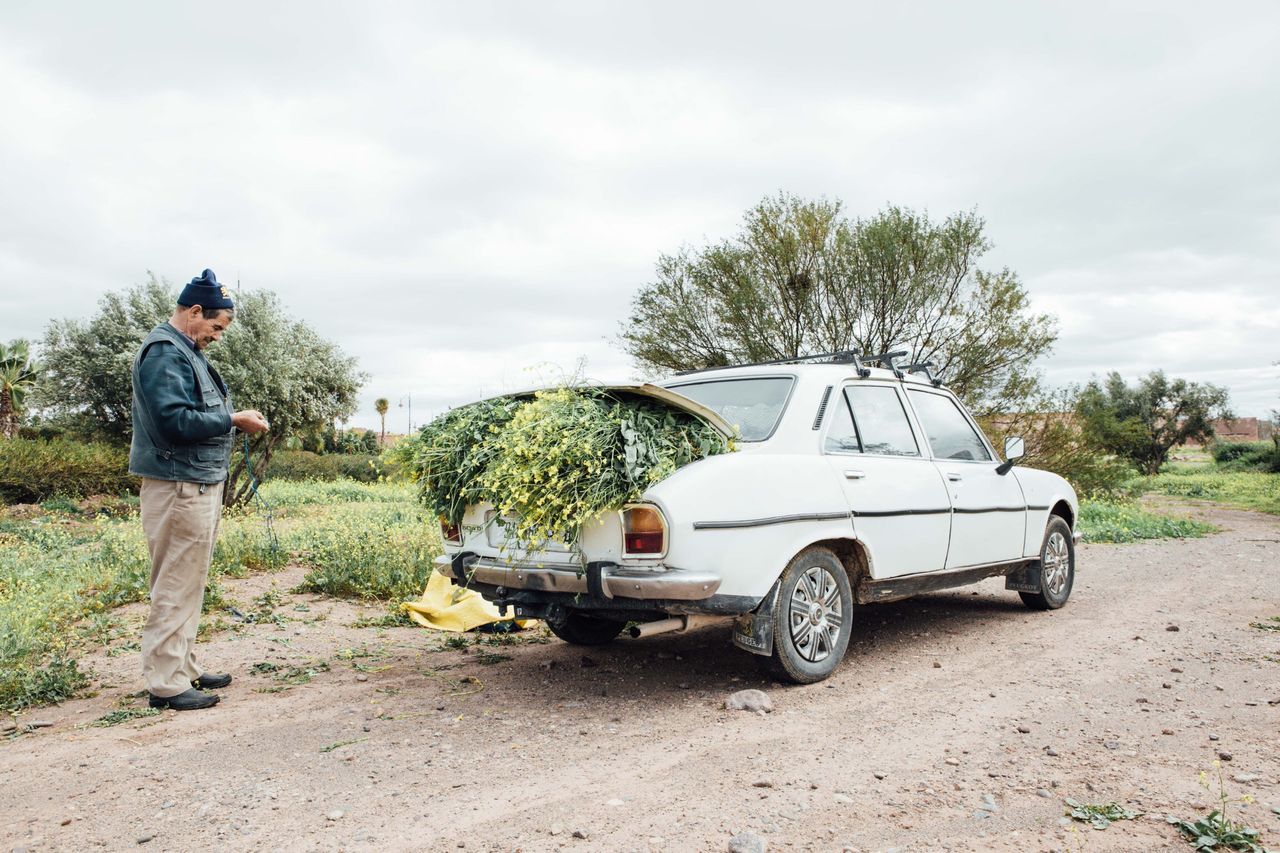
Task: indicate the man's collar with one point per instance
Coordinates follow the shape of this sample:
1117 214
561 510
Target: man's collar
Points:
190 340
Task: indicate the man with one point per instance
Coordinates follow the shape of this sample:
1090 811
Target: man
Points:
182 436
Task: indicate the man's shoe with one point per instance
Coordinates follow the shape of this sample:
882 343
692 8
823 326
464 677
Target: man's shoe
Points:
187 700
210 681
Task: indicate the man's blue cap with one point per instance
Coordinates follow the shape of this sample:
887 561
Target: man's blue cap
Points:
205 291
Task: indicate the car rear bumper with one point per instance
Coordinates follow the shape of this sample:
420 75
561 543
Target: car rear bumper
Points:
606 580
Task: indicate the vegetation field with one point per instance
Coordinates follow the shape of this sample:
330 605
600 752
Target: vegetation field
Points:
64 565
64 568
1246 489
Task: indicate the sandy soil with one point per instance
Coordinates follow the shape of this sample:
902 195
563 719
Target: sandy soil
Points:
958 721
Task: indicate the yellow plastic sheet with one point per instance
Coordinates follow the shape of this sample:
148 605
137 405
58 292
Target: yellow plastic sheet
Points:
446 607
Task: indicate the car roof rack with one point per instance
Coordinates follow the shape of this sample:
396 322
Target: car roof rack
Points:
886 359
925 367
841 357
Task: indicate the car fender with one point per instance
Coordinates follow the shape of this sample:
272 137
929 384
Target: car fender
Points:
745 515
1044 490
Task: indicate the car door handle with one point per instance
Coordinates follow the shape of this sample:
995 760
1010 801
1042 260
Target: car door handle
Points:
854 475
953 477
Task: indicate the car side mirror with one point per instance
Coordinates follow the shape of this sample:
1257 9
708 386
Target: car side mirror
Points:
1014 449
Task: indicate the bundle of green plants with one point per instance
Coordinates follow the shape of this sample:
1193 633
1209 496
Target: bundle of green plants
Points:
558 459
35 470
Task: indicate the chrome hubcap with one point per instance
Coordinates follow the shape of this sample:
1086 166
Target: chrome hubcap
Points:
1056 560
815 614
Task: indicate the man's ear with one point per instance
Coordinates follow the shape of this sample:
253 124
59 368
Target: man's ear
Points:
193 310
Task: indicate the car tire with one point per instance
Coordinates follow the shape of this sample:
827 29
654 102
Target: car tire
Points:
811 619
581 629
1057 567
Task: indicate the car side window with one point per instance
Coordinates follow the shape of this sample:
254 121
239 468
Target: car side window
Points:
948 430
842 435
881 421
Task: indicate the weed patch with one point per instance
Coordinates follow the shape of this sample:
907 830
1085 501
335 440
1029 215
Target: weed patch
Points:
1246 489
1099 816
1123 522
124 715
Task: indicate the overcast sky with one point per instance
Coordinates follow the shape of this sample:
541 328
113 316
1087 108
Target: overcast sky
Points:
466 196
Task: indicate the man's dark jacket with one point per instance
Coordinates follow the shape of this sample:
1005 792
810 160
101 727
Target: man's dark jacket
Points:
181 412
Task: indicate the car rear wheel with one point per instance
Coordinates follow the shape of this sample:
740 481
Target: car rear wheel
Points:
1057 567
811 620
582 630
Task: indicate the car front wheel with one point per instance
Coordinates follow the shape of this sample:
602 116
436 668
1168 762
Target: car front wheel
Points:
1057 567
811 620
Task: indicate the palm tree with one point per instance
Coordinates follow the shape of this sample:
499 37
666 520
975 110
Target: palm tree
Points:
381 405
17 374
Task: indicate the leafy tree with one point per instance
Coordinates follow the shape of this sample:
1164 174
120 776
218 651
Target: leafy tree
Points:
17 375
800 278
1145 422
381 405
270 361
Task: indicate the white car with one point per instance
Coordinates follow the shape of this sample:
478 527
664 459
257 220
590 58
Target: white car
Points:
851 485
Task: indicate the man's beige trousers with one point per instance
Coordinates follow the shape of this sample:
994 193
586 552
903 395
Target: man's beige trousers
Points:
181 524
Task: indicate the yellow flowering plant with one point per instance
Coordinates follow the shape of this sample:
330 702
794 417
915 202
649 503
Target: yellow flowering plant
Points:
557 460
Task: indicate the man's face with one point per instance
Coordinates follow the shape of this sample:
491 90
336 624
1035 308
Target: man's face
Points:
205 332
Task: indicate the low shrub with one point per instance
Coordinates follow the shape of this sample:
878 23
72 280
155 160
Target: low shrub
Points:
35 470
368 551
305 465
1247 456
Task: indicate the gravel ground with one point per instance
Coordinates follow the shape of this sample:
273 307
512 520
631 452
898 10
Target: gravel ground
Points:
958 721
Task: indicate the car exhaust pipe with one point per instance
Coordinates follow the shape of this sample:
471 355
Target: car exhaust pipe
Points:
663 626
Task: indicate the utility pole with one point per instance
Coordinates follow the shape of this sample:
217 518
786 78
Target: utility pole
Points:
406 402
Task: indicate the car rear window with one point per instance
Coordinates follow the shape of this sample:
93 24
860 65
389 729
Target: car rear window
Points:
752 405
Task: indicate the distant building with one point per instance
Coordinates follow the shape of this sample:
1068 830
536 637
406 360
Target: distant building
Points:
1240 429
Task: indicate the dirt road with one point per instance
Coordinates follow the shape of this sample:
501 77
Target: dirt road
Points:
958 721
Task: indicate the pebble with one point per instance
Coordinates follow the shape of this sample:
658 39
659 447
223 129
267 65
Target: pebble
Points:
39 724
954 762
1026 730
614 802
1246 777
1224 755
1166 731
841 798
937 665
143 839
580 833
1213 737
66 821
762 784
1112 744
556 829
361 677
336 814
749 700
167 804
1174 669
1051 752
1044 792
1172 628
746 842
879 774
1166 685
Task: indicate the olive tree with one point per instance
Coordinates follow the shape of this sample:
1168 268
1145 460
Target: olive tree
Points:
1144 422
800 278
270 360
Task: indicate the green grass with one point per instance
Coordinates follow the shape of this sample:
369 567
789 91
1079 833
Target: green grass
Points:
58 569
1245 489
1126 522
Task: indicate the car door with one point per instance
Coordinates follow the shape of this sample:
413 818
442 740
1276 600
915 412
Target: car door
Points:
989 512
901 511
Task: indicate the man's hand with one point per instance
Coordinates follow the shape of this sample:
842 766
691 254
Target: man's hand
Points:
250 421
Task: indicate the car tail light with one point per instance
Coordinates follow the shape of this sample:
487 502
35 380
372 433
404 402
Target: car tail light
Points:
644 532
451 533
